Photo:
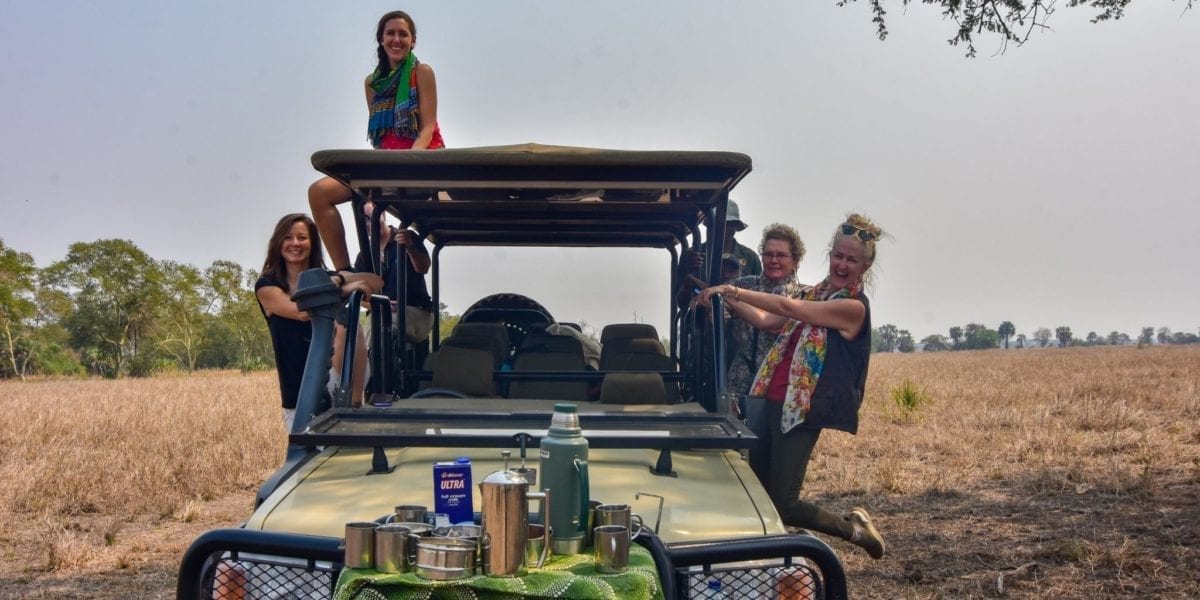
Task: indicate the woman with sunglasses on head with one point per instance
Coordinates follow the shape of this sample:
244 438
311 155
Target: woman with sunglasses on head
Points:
813 377
402 102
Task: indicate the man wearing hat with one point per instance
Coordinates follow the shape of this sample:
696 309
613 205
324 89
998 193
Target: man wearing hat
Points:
692 262
747 258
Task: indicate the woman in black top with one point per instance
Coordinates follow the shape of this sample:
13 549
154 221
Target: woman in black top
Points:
416 262
295 247
814 376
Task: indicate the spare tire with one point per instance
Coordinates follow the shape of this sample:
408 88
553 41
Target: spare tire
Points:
519 314
505 300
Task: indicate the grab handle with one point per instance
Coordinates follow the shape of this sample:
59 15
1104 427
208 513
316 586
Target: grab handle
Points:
584 493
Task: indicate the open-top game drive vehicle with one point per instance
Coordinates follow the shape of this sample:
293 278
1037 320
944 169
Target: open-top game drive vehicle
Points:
659 435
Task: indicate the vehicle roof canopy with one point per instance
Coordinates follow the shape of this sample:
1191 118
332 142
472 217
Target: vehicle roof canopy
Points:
538 195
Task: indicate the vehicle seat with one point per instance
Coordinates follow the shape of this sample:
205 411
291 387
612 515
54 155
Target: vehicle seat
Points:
545 352
627 330
468 370
634 354
639 354
491 344
493 330
633 388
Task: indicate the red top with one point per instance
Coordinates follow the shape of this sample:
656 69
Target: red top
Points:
777 388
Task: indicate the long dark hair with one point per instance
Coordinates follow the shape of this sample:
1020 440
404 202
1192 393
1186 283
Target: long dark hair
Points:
273 266
383 68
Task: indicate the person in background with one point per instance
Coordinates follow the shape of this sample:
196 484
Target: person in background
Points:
295 247
814 376
781 250
402 102
691 262
418 305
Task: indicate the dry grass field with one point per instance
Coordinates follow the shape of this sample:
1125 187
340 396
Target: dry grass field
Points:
1043 473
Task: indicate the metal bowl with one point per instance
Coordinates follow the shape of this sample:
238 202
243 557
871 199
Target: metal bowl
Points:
445 558
421 529
462 532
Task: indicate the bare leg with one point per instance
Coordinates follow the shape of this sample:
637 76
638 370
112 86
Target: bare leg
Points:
323 197
359 376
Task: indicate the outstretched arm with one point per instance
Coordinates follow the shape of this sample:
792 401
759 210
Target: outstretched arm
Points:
846 315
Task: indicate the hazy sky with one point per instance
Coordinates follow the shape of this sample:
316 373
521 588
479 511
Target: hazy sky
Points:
1054 184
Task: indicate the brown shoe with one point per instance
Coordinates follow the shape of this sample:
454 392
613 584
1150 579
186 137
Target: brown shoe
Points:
865 534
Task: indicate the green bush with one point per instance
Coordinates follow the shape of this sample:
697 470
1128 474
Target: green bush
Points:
909 398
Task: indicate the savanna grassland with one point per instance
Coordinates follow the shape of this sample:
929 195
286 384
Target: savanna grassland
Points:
1065 473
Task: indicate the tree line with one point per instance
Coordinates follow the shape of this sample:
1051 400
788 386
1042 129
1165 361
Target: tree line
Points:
107 308
975 336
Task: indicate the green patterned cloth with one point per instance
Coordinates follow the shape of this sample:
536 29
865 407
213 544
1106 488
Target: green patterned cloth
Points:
571 576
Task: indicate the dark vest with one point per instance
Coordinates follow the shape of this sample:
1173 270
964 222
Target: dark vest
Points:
843 381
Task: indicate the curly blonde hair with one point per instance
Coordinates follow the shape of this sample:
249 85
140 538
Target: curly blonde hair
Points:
779 231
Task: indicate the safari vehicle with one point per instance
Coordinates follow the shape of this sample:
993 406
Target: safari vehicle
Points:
660 437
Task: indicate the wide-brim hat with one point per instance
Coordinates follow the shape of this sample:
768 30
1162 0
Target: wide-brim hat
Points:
733 217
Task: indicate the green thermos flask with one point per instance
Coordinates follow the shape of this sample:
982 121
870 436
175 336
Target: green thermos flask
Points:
564 456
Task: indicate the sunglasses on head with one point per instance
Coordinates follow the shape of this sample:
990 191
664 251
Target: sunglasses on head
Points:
863 234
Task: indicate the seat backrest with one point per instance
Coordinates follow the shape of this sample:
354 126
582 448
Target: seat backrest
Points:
639 354
493 345
468 370
549 353
627 330
634 354
633 388
544 342
492 330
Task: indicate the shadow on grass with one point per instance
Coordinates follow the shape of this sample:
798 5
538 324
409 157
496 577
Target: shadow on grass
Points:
957 543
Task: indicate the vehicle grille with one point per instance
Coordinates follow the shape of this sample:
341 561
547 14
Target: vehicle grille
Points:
251 577
794 582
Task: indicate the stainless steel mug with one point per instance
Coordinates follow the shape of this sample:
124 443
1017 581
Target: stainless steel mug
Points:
395 549
410 513
360 545
619 514
535 545
610 548
591 522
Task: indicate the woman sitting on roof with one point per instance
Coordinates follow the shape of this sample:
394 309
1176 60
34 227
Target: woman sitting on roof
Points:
402 100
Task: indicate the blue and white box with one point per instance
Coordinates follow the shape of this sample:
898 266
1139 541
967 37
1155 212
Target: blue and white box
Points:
452 490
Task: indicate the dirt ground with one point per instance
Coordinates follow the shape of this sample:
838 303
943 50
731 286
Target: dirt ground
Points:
141 562
1037 474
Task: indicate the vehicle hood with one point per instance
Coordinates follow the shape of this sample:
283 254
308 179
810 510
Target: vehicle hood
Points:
711 494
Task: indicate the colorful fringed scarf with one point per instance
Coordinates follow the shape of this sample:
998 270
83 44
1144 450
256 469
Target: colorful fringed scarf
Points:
808 360
394 106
